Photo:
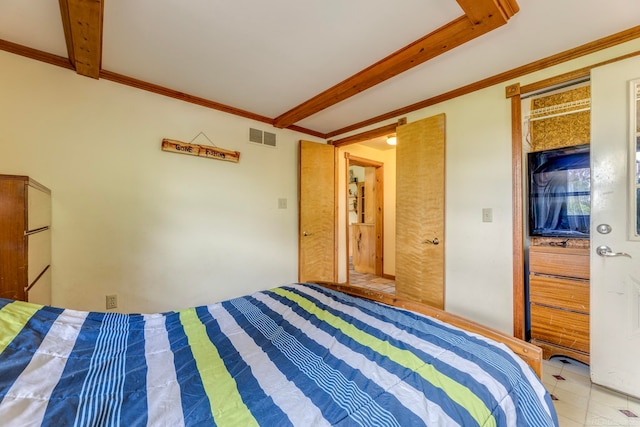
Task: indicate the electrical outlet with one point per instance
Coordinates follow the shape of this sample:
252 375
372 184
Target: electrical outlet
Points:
487 215
282 203
112 302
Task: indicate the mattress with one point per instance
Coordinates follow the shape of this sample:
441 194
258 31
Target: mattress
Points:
297 355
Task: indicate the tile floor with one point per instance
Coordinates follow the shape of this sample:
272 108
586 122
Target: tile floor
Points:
371 281
581 403
577 401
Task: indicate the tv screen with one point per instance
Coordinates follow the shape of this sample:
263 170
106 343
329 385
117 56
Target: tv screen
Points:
559 192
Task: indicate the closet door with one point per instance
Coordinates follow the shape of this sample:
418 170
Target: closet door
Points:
420 210
318 213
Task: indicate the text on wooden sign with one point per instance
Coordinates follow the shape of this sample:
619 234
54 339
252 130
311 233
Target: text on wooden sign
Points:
200 150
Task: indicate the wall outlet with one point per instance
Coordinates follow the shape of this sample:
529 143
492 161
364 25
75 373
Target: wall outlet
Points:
282 203
112 302
487 215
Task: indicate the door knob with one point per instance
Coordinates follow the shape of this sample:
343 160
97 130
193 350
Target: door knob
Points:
605 251
304 233
435 241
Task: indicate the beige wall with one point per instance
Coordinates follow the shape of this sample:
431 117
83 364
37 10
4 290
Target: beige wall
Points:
159 229
478 255
166 231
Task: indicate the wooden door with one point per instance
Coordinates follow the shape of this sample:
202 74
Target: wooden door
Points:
420 156
317 213
370 189
363 247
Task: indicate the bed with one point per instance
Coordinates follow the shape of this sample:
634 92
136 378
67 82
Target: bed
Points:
302 354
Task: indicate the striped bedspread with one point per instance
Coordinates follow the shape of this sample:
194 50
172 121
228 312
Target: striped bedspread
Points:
293 355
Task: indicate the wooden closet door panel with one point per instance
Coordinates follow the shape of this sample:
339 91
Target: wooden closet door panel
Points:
420 185
317 242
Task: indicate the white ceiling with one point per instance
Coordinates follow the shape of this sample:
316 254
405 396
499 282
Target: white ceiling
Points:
268 57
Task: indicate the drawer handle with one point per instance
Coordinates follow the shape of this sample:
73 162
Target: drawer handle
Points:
37 230
28 288
605 251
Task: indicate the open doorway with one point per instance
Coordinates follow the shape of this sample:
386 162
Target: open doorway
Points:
365 223
413 210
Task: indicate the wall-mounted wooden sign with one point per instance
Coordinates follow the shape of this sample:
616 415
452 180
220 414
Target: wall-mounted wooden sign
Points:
200 150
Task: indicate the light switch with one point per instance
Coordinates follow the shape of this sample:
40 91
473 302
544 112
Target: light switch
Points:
487 215
282 203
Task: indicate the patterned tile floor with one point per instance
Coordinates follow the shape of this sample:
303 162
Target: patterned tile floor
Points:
581 403
371 281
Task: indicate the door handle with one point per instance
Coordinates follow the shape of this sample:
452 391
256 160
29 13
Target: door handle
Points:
435 241
605 251
304 233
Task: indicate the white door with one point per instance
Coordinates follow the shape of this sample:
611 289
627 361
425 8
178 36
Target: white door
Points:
615 272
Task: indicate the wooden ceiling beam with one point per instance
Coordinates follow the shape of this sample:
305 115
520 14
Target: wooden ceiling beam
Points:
485 15
478 10
82 23
550 61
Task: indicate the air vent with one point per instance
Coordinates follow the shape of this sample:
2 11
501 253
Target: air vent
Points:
255 135
270 139
264 138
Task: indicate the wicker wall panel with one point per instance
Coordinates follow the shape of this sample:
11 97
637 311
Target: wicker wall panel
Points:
565 130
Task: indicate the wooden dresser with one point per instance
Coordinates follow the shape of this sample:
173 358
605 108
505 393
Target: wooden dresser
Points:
25 240
559 301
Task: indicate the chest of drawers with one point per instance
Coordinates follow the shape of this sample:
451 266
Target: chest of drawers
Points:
559 301
25 239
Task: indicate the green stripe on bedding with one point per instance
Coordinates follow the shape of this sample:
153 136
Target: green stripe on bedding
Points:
11 325
228 409
456 391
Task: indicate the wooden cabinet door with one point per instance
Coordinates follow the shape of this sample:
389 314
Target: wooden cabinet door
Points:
420 210
318 212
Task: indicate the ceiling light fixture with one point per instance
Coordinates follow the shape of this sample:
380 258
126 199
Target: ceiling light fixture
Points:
391 140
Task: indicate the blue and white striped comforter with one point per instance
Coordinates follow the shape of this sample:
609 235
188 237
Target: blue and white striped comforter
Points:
294 355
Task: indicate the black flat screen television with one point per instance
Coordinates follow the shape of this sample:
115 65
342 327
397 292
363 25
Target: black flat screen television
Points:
559 192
